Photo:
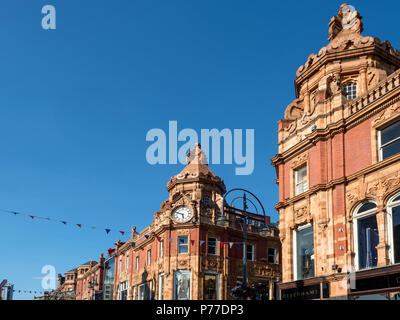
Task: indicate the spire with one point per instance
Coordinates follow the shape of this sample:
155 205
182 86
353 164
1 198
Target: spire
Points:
196 168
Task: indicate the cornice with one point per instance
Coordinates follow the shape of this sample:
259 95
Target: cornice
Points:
343 180
340 126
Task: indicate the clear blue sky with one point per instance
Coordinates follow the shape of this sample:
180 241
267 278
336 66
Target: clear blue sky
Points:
76 104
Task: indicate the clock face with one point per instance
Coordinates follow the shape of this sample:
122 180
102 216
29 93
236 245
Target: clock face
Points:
182 214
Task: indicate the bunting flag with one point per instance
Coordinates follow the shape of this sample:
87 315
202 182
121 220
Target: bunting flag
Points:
192 242
230 245
79 225
146 236
221 244
159 239
170 240
239 244
202 242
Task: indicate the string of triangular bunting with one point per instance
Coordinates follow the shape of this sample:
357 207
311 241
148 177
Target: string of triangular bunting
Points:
78 225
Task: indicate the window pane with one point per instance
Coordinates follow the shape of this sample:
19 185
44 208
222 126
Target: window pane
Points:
305 253
250 252
396 199
183 244
210 287
368 239
271 255
390 133
396 233
212 246
391 149
367 206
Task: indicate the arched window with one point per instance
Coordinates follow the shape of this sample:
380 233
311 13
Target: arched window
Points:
366 235
393 210
351 90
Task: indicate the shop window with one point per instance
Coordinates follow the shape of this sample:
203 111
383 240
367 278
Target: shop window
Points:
301 181
389 141
182 285
351 91
183 244
394 227
210 286
304 252
366 235
212 246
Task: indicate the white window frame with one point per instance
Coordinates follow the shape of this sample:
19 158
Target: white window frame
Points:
216 246
187 244
127 262
150 289
294 256
148 257
389 215
380 146
120 265
357 216
137 263
303 184
252 252
143 285
134 293
269 255
352 85
161 287
161 248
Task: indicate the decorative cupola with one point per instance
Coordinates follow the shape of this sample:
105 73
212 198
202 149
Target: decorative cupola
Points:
343 70
196 171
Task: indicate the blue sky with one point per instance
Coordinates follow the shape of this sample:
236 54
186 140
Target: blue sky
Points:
76 104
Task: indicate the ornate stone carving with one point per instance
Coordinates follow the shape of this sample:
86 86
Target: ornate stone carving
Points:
323 224
384 186
389 113
299 160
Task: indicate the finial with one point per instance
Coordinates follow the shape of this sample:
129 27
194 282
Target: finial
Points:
347 18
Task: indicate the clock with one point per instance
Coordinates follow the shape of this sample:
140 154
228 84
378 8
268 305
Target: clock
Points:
182 214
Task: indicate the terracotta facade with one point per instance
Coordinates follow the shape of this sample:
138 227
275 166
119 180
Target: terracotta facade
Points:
336 136
157 262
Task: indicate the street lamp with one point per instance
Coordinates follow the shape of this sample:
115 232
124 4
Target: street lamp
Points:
91 286
243 213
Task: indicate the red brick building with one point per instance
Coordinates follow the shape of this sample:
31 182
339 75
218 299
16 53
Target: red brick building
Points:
338 169
184 254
